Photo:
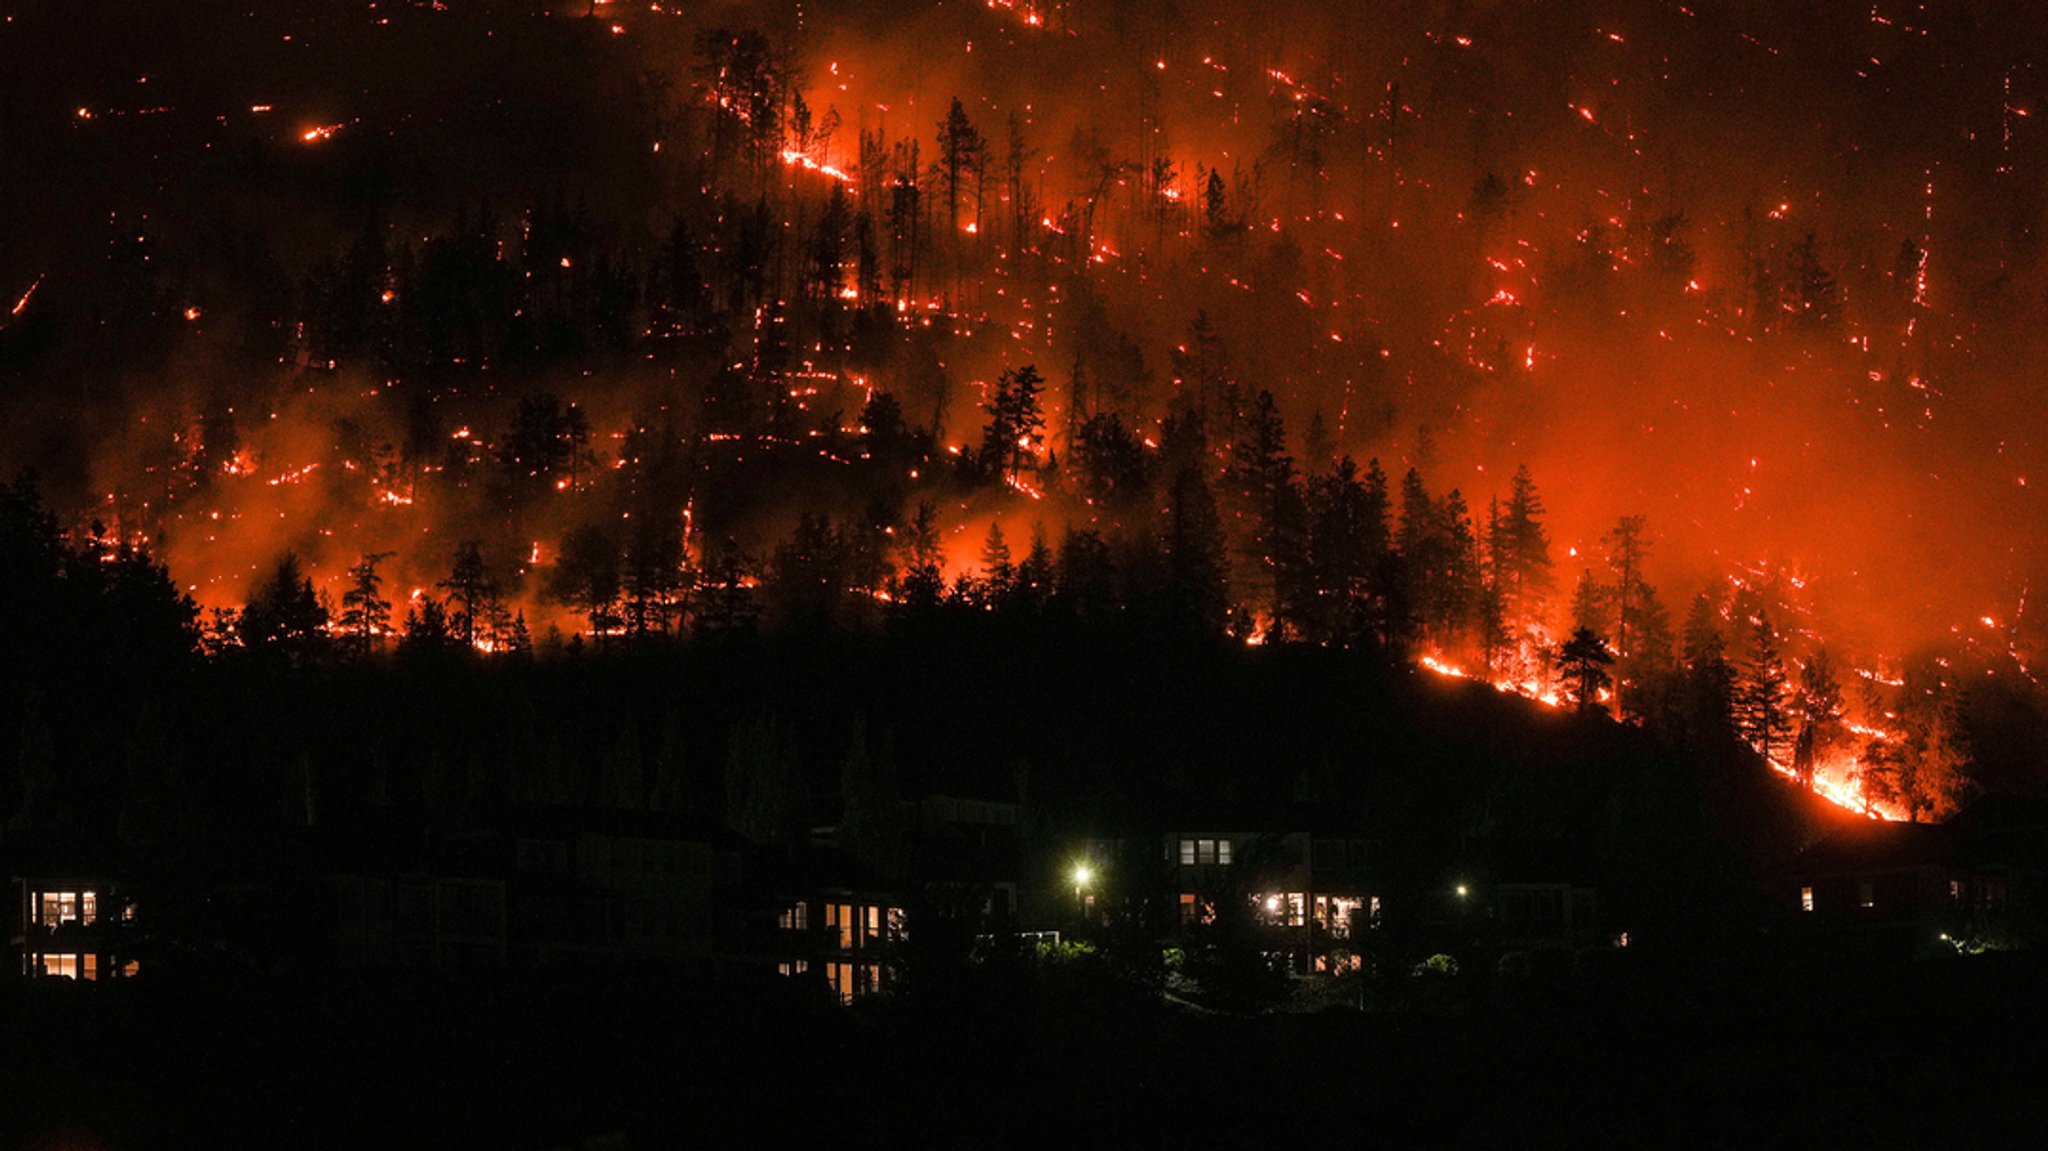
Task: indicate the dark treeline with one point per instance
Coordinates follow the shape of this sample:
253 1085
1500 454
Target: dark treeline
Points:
128 735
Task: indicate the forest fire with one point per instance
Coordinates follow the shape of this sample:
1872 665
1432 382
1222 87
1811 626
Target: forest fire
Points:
1319 511
1269 324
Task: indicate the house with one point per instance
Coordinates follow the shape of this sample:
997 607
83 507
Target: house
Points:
836 920
70 926
1310 894
1975 882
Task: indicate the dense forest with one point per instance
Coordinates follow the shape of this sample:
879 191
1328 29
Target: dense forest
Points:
638 335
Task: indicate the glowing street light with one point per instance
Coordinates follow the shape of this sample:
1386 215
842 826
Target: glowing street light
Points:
1083 876
1462 892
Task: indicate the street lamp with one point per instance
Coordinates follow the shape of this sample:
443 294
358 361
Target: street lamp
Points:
1461 891
1083 874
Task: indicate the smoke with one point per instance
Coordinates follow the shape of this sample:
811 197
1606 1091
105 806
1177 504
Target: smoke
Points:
1463 236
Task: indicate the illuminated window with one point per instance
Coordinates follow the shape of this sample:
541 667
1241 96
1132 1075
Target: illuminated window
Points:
130 968
795 917
1336 914
1187 853
1223 851
1188 909
1373 905
1806 899
840 976
874 925
793 967
61 966
65 907
1205 851
840 920
1297 909
88 907
1866 893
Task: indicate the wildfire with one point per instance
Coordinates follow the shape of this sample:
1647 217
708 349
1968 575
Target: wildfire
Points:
21 305
1837 780
796 159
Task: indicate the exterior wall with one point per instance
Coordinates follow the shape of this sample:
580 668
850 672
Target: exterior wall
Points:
70 927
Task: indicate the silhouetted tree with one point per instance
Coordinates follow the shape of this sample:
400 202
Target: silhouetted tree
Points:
284 614
1762 713
472 593
1818 709
365 613
586 576
1582 662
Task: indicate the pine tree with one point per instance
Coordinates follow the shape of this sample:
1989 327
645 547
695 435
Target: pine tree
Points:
1520 548
924 579
427 628
1582 662
997 573
1009 441
1647 686
365 613
1709 679
1819 710
1347 533
960 154
1761 711
1627 546
284 614
472 593
1033 582
1198 571
586 576
1268 508
1592 604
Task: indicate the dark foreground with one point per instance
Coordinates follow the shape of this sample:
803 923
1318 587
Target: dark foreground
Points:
1946 1054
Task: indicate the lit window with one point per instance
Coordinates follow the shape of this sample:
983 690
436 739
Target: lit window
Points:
1187 907
61 966
874 924
88 908
1205 851
1187 853
1866 893
59 907
840 976
839 919
795 917
793 967
1223 851
1806 899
